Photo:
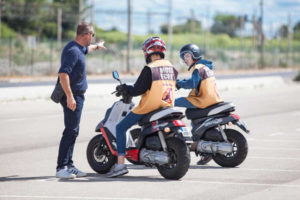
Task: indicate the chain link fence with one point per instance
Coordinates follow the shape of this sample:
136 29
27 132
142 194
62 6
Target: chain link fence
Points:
28 57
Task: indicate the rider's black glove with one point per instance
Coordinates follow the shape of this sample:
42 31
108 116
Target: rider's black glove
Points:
121 88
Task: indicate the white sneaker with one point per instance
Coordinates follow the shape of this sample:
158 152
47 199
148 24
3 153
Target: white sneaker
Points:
65 173
77 172
117 170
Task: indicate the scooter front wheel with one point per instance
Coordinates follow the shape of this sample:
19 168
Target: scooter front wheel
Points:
99 155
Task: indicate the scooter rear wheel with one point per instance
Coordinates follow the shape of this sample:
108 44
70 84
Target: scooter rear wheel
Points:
240 150
180 159
99 155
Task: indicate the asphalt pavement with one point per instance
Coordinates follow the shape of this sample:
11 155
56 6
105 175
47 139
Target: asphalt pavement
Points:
31 126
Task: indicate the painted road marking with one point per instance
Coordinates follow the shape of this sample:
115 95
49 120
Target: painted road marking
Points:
242 183
277 148
271 170
73 197
272 140
277 133
273 158
298 129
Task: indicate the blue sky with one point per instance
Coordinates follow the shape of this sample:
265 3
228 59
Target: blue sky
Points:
275 12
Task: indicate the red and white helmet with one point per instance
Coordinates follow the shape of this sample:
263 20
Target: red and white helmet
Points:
154 45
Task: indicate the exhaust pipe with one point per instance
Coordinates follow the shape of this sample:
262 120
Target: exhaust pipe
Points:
214 147
154 157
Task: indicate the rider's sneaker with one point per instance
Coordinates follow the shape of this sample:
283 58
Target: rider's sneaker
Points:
117 170
65 173
77 172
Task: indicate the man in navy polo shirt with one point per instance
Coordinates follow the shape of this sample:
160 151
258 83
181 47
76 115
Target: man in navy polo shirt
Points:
72 75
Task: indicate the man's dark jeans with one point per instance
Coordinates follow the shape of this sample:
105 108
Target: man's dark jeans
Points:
72 120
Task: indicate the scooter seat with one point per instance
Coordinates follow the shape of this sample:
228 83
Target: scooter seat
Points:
224 107
161 113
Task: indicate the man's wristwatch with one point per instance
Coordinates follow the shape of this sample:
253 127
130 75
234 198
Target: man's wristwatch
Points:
97 46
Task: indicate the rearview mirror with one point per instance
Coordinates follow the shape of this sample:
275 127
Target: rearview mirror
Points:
115 75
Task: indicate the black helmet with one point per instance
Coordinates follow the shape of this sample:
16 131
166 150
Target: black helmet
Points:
193 49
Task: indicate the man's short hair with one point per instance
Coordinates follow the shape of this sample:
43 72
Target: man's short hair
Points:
84 28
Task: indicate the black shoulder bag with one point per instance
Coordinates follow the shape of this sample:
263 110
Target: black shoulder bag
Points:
58 91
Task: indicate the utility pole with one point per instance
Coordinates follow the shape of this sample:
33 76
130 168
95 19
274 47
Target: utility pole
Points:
193 24
129 37
59 27
93 12
80 11
242 25
254 30
289 61
207 34
261 36
0 19
170 29
148 21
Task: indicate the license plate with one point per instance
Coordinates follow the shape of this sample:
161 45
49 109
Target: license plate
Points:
186 132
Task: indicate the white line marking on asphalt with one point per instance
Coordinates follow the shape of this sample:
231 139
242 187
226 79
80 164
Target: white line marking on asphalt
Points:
277 148
297 113
243 183
74 197
272 140
272 170
277 133
298 129
48 179
32 118
40 117
273 158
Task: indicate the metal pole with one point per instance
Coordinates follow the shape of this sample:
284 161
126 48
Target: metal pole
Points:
129 33
80 11
51 56
207 34
93 12
0 19
262 61
193 25
59 27
289 41
10 55
149 21
170 30
32 60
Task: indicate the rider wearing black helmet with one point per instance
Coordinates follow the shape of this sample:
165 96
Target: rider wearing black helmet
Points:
203 83
156 84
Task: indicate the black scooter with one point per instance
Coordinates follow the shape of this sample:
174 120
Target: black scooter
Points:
212 137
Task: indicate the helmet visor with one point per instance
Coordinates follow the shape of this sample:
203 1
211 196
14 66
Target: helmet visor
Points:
185 55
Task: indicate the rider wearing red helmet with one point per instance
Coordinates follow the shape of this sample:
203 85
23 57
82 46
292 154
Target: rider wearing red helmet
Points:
156 84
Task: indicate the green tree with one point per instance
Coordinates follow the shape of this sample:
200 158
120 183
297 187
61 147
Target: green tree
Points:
227 24
283 31
184 28
39 17
296 34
